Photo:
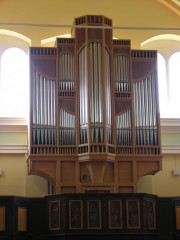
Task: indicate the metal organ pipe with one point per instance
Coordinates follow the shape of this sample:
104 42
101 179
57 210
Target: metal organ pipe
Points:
108 97
83 95
123 128
122 86
145 111
66 85
96 94
67 132
97 129
42 113
34 108
66 73
122 73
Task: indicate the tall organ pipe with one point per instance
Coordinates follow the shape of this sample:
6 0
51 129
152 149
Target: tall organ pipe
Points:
122 84
43 114
108 97
66 84
83 95
97 129
145 111
95 107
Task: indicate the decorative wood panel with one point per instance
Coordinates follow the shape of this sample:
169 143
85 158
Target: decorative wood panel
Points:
178 218
75 214
94 214
133 214
2 218
115 214
54 215
151 214
22 219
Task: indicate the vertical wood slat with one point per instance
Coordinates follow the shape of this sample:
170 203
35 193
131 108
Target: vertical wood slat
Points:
2 218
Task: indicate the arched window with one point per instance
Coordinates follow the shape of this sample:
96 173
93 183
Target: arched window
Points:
168 72
174 79
14 83
162 85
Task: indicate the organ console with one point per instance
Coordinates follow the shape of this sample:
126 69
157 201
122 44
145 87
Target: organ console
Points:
94 113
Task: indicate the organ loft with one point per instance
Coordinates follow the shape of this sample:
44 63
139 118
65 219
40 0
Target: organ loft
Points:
94 114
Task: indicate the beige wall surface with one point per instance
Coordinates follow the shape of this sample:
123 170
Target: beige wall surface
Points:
14 179
164 183
13 161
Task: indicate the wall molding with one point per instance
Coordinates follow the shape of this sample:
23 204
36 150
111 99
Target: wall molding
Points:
21 125
23 149
170 149
13 149
13 124
170 125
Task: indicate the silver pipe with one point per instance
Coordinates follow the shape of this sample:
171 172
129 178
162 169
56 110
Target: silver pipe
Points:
34 100
146 93
148 111
42 108
60 126
140 113
143 112
108 99
137 113
38 108
81 102
154 108
92 94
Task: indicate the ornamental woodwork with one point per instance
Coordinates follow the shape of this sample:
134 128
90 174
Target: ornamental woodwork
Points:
94 114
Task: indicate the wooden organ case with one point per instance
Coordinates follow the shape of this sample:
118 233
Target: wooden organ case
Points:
94 115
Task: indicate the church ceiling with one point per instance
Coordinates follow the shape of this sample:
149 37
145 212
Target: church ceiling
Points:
173 5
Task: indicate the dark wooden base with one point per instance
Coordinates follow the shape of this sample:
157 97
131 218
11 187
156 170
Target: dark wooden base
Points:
90 216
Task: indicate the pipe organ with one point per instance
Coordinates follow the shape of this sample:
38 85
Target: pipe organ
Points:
94 114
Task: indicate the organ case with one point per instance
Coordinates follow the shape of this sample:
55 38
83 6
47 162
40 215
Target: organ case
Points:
94 114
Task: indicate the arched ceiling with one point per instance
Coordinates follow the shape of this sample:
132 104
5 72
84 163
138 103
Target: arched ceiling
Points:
173 5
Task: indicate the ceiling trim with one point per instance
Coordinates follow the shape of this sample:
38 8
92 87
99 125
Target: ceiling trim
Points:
173 5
